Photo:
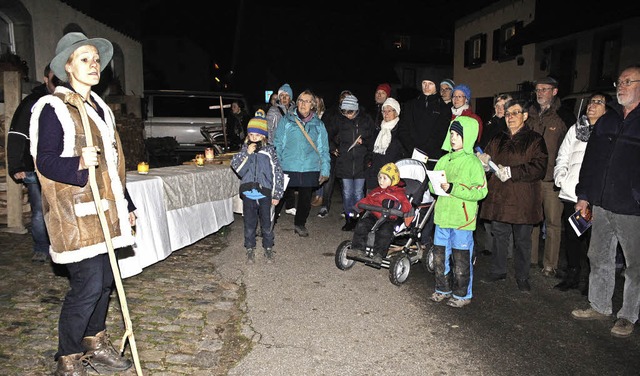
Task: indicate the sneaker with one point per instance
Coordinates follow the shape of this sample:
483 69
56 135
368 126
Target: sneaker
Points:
548 271
588 314
458 303
323 213
268 253
438 297
251 256
342 215
40 257
301 230
494 278
291 211
523 285
622 328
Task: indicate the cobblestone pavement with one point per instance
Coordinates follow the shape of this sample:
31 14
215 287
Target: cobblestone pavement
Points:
185 316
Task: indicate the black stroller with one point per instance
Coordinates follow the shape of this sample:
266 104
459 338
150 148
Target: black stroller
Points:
406 248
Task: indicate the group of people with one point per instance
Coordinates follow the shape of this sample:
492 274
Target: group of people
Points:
527 153
519 173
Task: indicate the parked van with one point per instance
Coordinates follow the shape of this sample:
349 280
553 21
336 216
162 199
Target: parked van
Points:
193 118
577 102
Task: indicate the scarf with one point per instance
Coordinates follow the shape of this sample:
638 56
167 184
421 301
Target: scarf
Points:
384 137
583 129
305 119
458 111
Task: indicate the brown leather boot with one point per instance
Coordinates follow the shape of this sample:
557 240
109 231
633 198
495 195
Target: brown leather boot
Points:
70 365
101 353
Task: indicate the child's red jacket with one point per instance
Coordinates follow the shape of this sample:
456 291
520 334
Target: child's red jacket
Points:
395 193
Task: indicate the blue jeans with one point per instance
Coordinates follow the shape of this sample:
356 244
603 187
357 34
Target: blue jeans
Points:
38 228
352 192
252 211
84 311
607 230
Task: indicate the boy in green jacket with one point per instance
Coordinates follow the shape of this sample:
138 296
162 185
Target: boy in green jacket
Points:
455 213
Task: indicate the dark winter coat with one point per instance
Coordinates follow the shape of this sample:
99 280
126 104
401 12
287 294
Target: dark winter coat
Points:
395 151
519 199
553 125
494 126
351 164
18 156
610 173
424 124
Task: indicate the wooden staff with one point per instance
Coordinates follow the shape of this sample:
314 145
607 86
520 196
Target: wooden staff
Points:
77 101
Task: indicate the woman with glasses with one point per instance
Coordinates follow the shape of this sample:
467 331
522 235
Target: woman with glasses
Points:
303 151
355 132
461 100
514 201
566 173
386 147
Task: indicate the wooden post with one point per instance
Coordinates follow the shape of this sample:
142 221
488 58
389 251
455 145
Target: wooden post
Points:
12 98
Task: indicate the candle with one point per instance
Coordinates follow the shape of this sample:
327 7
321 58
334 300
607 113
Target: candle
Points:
143 168
208 153
199 160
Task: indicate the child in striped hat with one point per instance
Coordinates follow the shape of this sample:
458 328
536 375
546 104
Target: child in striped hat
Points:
261 186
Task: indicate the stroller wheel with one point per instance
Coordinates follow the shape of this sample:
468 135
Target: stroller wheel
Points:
427 260
399 269
342 262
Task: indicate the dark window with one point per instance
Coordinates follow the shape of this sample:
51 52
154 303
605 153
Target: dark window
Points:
500 51
606 55
475 51
165 106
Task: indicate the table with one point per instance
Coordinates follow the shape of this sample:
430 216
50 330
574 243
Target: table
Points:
176 206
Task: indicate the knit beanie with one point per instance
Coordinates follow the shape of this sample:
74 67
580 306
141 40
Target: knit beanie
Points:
391 170
393 104
384 87
285 89
457 127
465 89
350 102
258 124
449 82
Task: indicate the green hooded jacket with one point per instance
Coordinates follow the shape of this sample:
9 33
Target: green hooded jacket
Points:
466 175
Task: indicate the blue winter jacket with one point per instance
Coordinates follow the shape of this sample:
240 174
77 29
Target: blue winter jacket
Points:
295 153
259 170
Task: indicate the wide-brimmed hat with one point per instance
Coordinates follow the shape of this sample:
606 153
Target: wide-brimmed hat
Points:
71 42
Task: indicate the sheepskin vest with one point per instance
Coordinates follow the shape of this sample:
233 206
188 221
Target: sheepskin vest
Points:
69 211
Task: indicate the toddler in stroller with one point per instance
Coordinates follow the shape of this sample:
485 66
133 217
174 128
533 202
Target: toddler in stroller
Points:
387 234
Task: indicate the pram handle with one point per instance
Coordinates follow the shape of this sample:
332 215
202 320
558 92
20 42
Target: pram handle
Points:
380 209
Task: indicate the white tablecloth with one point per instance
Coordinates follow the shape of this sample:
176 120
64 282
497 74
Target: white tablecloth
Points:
176 206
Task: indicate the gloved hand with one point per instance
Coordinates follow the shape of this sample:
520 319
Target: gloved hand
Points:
322 179
89 157
388 203
484 158
503 173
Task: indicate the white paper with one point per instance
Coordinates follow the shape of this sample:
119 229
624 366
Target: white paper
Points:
437 178
286 181
419 155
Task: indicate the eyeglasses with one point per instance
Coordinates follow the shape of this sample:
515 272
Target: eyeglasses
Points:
446 89
513 113
305 101
348 112
597 101
388 111
459 97
543 90
625 83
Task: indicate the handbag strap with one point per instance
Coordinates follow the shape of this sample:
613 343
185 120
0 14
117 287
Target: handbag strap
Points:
307 137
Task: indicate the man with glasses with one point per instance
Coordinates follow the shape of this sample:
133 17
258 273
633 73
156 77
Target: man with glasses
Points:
549 119
610 187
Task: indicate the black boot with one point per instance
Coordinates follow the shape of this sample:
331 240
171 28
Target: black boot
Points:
350 223
570 281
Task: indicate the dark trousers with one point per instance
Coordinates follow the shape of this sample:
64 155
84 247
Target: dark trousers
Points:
383 237
289 199
575 247
252 212
84 311
327 187
521 251
303 207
